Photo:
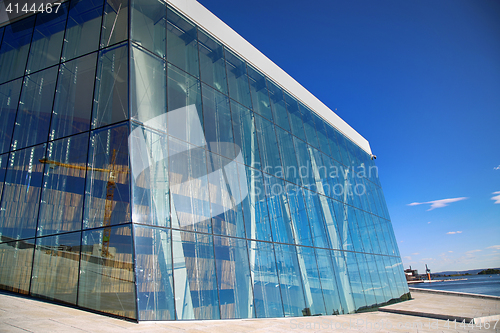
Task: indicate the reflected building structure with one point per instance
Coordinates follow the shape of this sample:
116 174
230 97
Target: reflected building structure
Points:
155 166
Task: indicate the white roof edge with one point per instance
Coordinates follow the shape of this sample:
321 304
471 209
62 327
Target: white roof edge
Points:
230 38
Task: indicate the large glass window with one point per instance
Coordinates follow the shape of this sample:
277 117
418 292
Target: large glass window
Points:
15 265
279 211
9 99
107 194
63 185
245 134
21 193
182 43
298 212
310 279
111 91
14 49
291 171
268 146
114 22
309 126
280 114
212 64
233 275
153 269
260 96
35 107
195 276
239 89
332 293
148 25
45 50
295 117
55 270
73 99
83 28
107 271
290 281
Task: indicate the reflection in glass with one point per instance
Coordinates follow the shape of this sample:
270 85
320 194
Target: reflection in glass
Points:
280 114
73 99
332 294
194 276
114 22
290 281
291 169
21 193
83 28
153 268
148 19
245 134
260 96
107 194
15 47
279 211
148 89
212 64
189 187
63 185
354 270
46 44
3 166
268 146
297 126
107 271
239 89
182 43
35 106
149 163
55 270
233 275
15 265
343 283
310 278
302 231
110 95
9 98
266 286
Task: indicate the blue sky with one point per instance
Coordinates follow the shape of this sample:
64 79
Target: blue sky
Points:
420 80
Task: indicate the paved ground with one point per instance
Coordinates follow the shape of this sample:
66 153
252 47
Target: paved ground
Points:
21 314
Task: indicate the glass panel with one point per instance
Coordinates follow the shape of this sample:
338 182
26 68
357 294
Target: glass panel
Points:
302 231
217 122
153 268
245 134
268 145
194 276
107 196
239 89
305 166
309 126
354 230
341 213
279 211
322 136
312 287
21 193
385 283
225 197
9 99
287 152
114 23
83 28
190 205
63 185
328 207
233 272
107 271
341 140
55 271
316 219
254 204
182 43
328 278
280 114
14 49
260 95
45 50
265 281
295 117
148 25
110 95
150 188
319 170
343 283
73 100
332 141
290 281
376 279
3 166
148 99
363 232
355 281
364 272
15 265
213 70
35 106
185 117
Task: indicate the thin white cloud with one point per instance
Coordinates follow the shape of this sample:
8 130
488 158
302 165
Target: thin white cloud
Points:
415 254
496 197
407 257
438 203
450 251
496 168
428 222
472 251
494 247
453 232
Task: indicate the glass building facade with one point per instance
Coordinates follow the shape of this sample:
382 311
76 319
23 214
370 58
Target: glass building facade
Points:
148 171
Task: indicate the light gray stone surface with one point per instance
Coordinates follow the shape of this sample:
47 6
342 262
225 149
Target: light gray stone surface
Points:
22 314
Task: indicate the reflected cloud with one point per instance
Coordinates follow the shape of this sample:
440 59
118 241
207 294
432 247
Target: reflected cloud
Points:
494 247
496 197
438 203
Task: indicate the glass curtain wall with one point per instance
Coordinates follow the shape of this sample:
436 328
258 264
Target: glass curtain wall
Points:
147 171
